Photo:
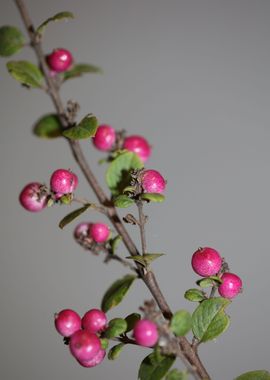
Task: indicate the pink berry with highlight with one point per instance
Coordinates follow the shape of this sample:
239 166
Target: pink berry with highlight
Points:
138 145
84 345
95 361
206 262
67 322
99 232
32 198
231 285
145 333
59 60
94 321
81 230
104 138
63 182
152 181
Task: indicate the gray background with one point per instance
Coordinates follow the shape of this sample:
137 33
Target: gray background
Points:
193 77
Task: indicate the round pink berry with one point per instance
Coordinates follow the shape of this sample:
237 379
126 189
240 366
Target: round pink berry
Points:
206 262
95 361
145 333
138 145
67 322
59 60
152 181
94 321
84 345
32 198
82 230
63 182
99 232
104 137
231 285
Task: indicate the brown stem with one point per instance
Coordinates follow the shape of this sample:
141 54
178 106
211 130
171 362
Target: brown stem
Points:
142 220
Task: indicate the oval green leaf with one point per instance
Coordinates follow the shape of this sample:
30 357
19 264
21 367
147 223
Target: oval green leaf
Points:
117 291
11 40
104 343
152 197
175 374
48 127
85 129
205 282
123 201
115 351
155 367
26 73
194 295
73 215
57 17
131 319
115 242
181 323
79 69
116 327
254 375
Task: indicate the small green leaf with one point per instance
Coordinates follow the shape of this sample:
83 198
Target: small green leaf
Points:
149 257
131 319
152 197
194 295
57 17
219 324
116 327
79 69
175 374
26 73
85 129
153 368
216 279
254 375
11 40
205 282
48 127
123 201
138 259
104 343
115 242
181 323
115 351
73 215
116 292
129 189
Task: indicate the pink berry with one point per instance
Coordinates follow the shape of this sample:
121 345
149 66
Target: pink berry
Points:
152 181
84 345
99 232
31 197
59 60
104 137
231 285
67 322
206 262
145 333
138 145
81 230
63 182
95 361
94 321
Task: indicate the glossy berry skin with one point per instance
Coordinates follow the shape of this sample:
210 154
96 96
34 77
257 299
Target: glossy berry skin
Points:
31 199
152 181
63 182
94 321
84 345
59 60
138 145
67 322
99 232
104 138
95 361
81 230
231 285
145 333
206 262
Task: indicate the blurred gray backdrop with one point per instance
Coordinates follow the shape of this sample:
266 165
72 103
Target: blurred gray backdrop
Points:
193 77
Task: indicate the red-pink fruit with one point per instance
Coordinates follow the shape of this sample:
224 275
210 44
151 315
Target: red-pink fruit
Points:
67 322
206 262
94 321
145 333
59 60
104 137
95 361
81 230
152 181
84 345
138 145
99 232
32 198
231 285
63 182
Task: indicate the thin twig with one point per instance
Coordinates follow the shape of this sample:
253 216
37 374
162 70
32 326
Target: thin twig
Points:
142 221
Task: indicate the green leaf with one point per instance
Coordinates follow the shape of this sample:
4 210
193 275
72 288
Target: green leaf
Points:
57 17
145 259
116 327
194 295
181 323
131 319
115 242
205 282
48 127
129 189
73 215
79 69
115 351
86 128
254 375
26 73
123 201
116 292
175 374
104 343
154 368
204 325
152 197
11 40
118 172
138 259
